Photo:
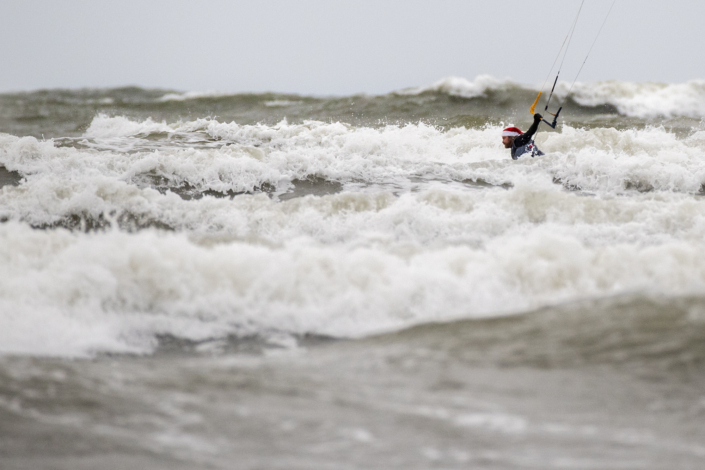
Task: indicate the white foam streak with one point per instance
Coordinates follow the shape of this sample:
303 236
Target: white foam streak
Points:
192 95
459 86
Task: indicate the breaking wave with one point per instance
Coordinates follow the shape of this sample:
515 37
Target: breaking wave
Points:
75 293
210 229
640 100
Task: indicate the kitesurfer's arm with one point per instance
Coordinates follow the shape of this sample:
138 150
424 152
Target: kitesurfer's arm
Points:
525 138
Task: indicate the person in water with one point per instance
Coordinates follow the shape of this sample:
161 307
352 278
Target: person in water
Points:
522 143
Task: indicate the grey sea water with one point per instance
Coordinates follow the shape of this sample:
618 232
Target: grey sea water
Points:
204 280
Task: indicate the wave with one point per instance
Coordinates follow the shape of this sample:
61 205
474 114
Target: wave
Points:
450 103
325 228
641 100
275 101
429 214
490 95
192 95
208 155
459 86
118 178
647 332
193 188
646 100
76 294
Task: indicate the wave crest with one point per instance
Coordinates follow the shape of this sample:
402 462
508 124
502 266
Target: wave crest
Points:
640 100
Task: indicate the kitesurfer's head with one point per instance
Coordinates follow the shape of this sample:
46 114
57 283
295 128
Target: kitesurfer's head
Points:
508 136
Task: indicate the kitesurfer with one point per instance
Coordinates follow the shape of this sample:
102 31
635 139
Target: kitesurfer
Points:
522 143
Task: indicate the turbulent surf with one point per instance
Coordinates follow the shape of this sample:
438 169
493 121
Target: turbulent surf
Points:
150 222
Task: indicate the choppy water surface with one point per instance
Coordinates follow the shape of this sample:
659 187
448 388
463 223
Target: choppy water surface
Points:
203 280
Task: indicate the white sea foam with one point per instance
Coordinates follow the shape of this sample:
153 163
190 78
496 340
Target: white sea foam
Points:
192 95
409 239
244 157
440 216
280 103
63 181
643 100
433 214
104 126
68 294
459 86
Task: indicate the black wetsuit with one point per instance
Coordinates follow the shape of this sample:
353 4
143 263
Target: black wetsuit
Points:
524 144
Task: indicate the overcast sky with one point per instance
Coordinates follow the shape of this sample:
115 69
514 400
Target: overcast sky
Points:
336 46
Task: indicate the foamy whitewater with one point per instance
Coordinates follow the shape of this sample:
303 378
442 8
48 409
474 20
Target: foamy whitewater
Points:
138 221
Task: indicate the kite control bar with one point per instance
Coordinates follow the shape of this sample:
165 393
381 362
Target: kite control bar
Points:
555 118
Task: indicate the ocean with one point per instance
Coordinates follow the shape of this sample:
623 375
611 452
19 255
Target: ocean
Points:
204 280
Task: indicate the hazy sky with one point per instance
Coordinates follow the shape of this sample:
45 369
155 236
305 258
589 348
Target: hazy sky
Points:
338 47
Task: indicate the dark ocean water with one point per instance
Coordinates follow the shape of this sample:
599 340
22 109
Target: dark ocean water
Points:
265 281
